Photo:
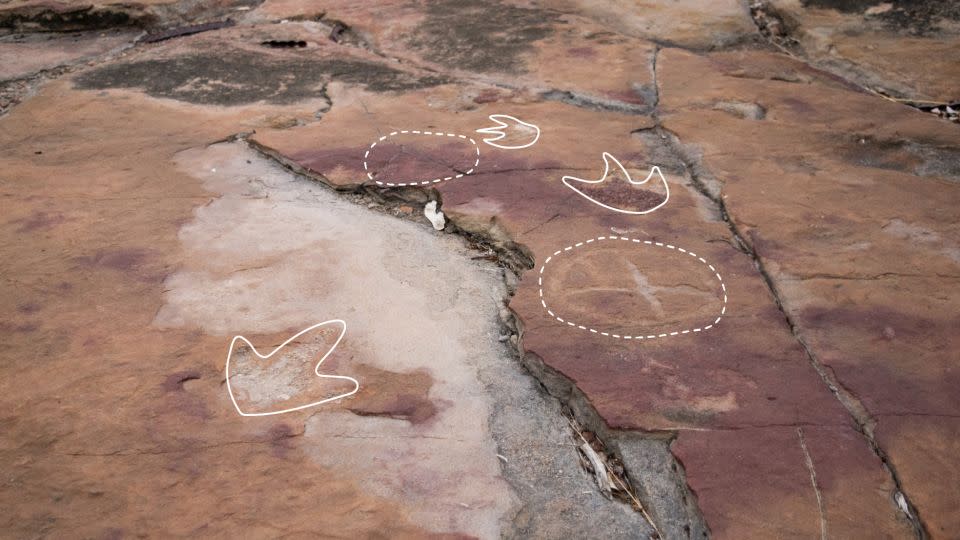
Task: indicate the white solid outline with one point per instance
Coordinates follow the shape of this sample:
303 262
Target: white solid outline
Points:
416 182
543 302
316 370
607 158
497 130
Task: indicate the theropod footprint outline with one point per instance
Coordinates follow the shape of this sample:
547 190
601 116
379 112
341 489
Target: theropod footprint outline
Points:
500 133
607 158
343 330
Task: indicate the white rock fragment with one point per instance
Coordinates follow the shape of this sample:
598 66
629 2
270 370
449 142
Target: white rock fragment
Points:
436 217
902 503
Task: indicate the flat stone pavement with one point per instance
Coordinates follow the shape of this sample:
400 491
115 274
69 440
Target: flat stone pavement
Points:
763 344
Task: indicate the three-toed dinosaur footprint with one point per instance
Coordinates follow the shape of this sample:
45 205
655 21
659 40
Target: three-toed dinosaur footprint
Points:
316 369
612 196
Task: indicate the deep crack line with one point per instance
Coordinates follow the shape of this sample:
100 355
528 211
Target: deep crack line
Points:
854 407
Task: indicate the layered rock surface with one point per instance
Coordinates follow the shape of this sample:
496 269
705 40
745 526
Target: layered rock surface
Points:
781 330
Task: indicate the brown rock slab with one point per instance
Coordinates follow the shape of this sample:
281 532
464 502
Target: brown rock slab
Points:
852 221
564 55
687 23
926 451
902 48
102 410
148 247
25 55
818 482
731 377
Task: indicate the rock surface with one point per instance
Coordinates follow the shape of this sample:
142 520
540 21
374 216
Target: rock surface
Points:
900 48
770 353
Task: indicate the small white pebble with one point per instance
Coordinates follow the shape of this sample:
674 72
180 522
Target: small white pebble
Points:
435 216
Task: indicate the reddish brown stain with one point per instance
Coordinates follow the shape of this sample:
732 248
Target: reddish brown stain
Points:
125 259
24 328
38 221
621 195
113 534
415 158
174 381
28 307
582 52
487 96
403 396
281 440
798 106
132 261
122 259
325 160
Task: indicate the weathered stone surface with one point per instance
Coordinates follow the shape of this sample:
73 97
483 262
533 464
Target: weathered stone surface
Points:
687 23
69 16
102 410
165 249
24 55
784 324
728 377
879 311
902 48
518 46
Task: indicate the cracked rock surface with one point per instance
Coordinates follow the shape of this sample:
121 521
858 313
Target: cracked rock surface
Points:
770 354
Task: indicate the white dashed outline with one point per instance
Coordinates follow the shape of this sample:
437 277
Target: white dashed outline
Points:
417 182
607 158
500 133
343 330
543 302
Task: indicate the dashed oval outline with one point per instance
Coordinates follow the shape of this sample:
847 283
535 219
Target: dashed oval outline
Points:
559 252
418 182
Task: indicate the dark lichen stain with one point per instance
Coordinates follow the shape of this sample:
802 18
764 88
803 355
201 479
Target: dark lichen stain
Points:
912 16
899 155
689 417
480 35
242 78
70 20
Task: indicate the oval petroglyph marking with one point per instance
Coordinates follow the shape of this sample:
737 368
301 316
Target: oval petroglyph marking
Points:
373 145
561 252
